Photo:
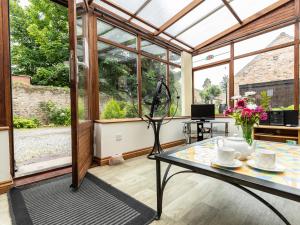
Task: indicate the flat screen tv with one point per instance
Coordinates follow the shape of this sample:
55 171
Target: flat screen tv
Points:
203 111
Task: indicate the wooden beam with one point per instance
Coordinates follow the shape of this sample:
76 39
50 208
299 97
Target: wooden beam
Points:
232 11
139 75
296 67
246 21
139 19
179 15
130 26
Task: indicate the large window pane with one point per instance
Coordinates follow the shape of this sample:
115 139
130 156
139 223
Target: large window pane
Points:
276 37
152 71
174 58
270 75
212 56
117 82
175 89
211 87
153 49
115 34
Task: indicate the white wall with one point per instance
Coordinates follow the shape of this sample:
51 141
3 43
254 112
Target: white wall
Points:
116 138
4 157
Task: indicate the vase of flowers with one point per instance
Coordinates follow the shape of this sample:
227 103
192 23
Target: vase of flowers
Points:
246 114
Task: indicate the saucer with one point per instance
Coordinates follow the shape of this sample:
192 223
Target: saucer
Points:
236 164
277 168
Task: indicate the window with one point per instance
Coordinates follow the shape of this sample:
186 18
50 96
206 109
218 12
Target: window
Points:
270 75
117 82
175 89
154 49
174 58
115 34
273 38
211 87
152 71
212 56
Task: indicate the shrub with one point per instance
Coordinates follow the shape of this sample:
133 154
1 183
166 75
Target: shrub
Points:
113 110
56 115
21 122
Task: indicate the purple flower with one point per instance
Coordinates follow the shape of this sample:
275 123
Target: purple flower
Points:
241 103
228 111
259 109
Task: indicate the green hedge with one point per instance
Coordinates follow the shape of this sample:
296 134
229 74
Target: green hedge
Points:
21 122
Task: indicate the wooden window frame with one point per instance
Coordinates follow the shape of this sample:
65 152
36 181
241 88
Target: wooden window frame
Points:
140 54
232 58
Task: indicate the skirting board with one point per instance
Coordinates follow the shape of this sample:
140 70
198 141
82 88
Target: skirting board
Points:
139 152
5 186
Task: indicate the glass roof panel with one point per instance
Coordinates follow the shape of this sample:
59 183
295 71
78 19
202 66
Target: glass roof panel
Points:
193 16
112 9
131 6
209 27
158 12
115 34
181 45
246 8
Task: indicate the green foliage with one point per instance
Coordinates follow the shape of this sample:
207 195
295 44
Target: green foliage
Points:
265 100
56 115
39 37
21 122
113 110
52 76
209 92
118 109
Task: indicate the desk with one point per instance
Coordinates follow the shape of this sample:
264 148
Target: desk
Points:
196 158
201 129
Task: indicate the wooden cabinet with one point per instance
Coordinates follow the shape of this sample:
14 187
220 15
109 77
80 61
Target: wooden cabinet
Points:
276 133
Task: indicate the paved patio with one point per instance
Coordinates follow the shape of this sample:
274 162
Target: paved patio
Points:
42 146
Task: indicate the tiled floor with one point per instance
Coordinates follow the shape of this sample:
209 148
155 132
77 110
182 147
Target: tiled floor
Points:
189 198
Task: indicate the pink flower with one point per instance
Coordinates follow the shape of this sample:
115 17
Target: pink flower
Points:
228 111
263 116
241 103
259 109
247 113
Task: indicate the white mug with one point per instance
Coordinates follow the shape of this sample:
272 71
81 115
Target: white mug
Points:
264 158
227 155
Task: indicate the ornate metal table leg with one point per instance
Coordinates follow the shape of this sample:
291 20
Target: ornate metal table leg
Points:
262 201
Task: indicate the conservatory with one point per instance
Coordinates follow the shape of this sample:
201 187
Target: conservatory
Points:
104 101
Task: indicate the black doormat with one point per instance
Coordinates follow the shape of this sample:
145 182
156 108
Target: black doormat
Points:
51 202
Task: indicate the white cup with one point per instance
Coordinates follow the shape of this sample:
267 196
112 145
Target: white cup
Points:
227 155
264 158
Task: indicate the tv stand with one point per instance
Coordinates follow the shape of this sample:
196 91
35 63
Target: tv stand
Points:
276 133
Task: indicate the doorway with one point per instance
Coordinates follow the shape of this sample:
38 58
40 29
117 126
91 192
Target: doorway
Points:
41 103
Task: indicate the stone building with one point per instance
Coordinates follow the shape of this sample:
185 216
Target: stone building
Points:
272 72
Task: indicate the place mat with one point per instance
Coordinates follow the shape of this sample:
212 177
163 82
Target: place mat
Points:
286 155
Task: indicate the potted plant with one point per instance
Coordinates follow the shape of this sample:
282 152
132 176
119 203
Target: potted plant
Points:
246 114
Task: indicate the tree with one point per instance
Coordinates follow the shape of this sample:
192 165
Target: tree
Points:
209 92
40 41
224 86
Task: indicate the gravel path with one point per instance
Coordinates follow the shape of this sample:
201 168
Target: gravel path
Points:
35 145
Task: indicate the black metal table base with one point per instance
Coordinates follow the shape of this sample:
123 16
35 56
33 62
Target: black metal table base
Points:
157 149
161 184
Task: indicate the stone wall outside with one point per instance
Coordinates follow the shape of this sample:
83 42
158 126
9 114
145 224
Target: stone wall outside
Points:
27 99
